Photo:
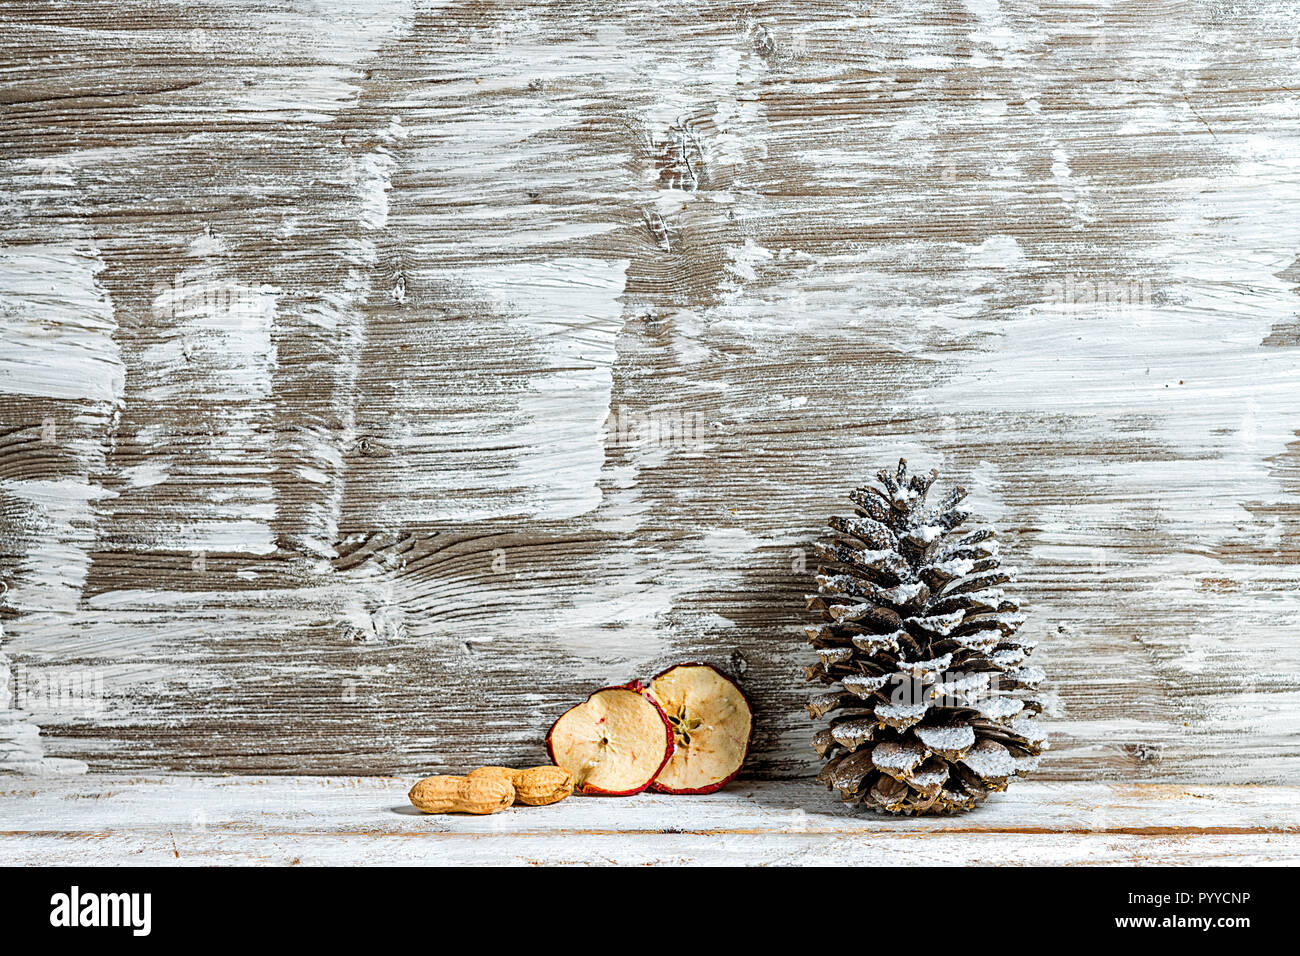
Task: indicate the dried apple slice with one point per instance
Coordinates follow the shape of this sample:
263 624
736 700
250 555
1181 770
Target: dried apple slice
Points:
712 724
614 743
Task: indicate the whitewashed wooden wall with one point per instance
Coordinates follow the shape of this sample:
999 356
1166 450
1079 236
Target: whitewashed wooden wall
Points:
311 314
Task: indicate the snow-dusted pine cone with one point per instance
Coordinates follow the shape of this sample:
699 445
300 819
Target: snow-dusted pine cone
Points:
929 705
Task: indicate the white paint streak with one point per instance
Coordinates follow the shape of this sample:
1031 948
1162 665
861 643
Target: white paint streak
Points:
572 312
216 331
56 343
56 340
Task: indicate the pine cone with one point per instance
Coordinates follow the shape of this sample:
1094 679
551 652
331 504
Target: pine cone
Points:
928 706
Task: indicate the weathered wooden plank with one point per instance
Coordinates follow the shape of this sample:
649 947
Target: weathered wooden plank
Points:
312 315
433 849
282 820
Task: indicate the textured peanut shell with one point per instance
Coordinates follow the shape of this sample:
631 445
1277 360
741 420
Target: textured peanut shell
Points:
500 773
484 794
535 786
539 786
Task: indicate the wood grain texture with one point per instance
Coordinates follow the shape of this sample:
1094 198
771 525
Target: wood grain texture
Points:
378 378
188 821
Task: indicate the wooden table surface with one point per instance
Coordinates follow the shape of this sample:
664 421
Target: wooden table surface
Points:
378 378
186 821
